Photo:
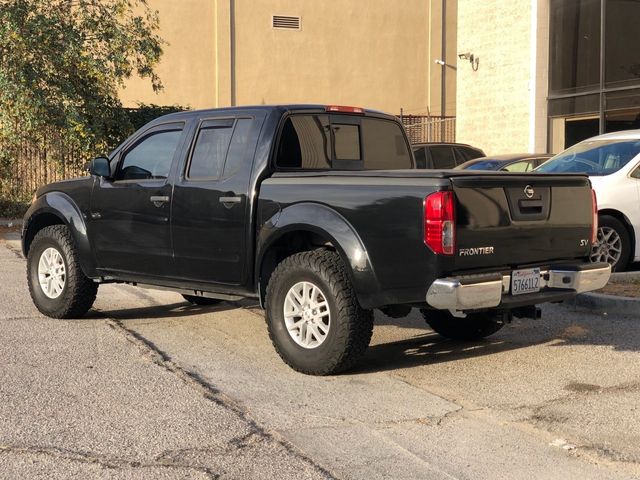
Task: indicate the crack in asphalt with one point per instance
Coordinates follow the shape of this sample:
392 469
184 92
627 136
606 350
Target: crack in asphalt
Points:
213 394
104 461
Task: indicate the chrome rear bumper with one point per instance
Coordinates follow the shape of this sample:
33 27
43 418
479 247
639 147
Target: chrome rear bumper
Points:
476 292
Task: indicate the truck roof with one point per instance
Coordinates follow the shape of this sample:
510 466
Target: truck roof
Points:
283 108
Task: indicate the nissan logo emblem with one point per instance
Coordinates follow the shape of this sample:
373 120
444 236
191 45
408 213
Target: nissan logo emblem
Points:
528 191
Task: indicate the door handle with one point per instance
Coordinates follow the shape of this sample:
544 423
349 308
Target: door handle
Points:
230 201
159 200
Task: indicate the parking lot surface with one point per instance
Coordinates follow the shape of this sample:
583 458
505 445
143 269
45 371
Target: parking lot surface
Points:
148 386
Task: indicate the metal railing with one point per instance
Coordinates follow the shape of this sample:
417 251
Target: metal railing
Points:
421 129
32 166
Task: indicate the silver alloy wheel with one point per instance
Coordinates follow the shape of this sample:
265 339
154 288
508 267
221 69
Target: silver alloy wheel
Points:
52 274
306 315
608 246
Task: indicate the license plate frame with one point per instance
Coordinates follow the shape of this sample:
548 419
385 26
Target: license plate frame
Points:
526 280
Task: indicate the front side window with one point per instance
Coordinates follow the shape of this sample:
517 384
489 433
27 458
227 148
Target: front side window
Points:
596 157
151 158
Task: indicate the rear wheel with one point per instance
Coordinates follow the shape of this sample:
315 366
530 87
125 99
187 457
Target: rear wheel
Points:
57 284
195 300
473 327
613 244
314 319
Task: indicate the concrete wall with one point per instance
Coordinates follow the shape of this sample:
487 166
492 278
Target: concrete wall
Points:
373 53
501 107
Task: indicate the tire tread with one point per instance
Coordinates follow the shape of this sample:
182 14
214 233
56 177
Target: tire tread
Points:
354 334
80 291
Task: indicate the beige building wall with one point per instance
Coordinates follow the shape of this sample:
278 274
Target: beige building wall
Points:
188 66
501 107
374 53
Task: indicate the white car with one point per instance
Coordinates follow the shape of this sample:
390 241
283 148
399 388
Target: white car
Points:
612 162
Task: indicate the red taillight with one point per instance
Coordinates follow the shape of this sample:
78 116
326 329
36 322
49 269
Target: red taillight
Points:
344 109
440 223
594 226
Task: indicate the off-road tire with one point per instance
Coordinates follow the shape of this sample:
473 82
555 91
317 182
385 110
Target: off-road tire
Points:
203 301
473 327
79 292
350 325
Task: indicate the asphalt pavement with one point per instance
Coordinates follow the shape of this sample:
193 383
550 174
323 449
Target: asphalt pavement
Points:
148 386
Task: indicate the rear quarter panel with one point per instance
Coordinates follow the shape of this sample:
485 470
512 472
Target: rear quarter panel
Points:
385 213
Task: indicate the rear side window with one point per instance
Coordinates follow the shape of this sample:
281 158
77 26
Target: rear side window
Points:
238 148
151 157
442 157
464 154
342 142
209 152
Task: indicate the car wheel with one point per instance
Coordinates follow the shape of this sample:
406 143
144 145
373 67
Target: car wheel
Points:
57 284
313 317
204 301
473 327
613 244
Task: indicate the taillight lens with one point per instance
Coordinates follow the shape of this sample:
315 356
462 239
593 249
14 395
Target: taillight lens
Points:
440 223
594 226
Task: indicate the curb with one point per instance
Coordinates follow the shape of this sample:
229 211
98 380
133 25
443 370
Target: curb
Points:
607 303
624 277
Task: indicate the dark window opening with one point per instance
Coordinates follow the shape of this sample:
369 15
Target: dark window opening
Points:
150 158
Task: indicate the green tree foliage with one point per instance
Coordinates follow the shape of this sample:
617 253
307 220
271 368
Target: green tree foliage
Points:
62 63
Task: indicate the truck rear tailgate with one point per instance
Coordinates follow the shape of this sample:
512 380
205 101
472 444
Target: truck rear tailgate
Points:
512 220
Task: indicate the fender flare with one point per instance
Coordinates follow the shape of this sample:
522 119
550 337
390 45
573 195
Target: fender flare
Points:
326 222
65 209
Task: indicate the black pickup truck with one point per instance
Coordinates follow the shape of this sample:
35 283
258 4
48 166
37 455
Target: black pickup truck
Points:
319 212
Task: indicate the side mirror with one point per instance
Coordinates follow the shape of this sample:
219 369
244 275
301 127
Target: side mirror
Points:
100 167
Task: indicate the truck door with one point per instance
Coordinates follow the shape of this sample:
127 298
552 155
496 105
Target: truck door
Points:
211 201
129 218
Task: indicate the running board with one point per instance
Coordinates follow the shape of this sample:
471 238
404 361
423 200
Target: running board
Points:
186 291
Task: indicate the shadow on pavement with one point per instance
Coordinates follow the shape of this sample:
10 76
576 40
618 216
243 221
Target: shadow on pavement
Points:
173 310
427 349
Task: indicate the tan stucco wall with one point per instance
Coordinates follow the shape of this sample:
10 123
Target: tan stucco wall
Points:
188 66
501 107
373 53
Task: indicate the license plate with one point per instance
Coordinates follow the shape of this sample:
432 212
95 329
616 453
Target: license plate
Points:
525 281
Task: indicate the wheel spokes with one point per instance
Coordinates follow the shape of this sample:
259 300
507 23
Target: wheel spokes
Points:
306 314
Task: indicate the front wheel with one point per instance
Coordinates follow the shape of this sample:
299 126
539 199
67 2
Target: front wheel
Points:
314 319
57 284
473 327
613 244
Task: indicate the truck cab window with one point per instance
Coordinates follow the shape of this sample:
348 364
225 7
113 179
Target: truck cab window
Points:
238 148
385 146
347 141
209 152
151 157
305 143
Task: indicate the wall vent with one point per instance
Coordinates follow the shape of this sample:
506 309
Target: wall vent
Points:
285 21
